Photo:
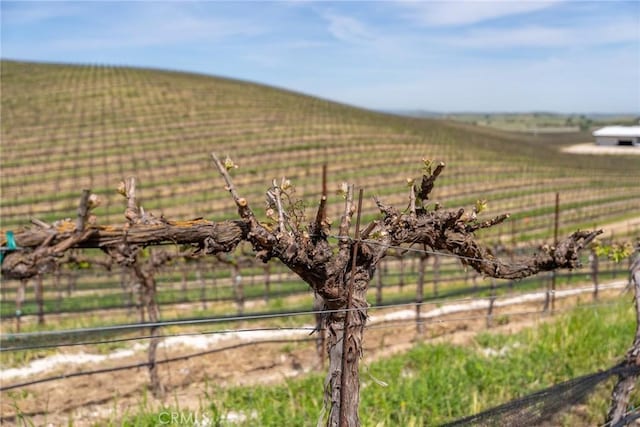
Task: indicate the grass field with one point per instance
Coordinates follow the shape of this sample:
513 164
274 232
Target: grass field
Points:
441 382
542 122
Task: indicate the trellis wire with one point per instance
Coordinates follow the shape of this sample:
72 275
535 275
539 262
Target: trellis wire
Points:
190 322
144 364
389 324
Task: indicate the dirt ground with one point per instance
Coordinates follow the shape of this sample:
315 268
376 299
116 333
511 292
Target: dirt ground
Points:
92 400
629 226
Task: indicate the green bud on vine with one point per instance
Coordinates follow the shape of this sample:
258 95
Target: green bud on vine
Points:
427 167
480 206
228 164
343 190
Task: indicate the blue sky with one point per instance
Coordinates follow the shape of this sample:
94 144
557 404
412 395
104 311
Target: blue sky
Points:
563 56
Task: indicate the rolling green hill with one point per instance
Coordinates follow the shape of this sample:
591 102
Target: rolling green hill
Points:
65 128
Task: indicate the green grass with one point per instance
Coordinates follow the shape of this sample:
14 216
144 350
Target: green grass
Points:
431 384
543 122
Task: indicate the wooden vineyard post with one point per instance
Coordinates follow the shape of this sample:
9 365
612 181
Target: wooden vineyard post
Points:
39 294
318 302
185 273
72 279
613 266
422 264
436 274
512 252
56 285
492 300
550 299
19 298
413 261
402 271
630 263
203 287
214 285
267 283
474 280
351 347
594 264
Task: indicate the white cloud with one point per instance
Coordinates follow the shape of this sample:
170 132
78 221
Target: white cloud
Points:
348 29
164 24
448 13
17 14
511 37
589 34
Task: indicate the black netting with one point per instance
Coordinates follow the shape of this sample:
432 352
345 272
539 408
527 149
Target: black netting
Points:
541 406
628 419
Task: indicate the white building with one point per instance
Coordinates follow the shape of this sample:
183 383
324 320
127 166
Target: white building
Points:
618 135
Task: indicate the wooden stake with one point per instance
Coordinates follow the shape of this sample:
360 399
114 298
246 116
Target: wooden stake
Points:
346 337
40 299
422 261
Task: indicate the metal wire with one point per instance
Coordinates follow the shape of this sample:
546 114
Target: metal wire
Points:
168 360
133 327
147 337
274 341
426 321
143 364
188 322
371 326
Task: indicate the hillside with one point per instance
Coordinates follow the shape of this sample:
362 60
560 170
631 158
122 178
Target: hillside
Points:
65 128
